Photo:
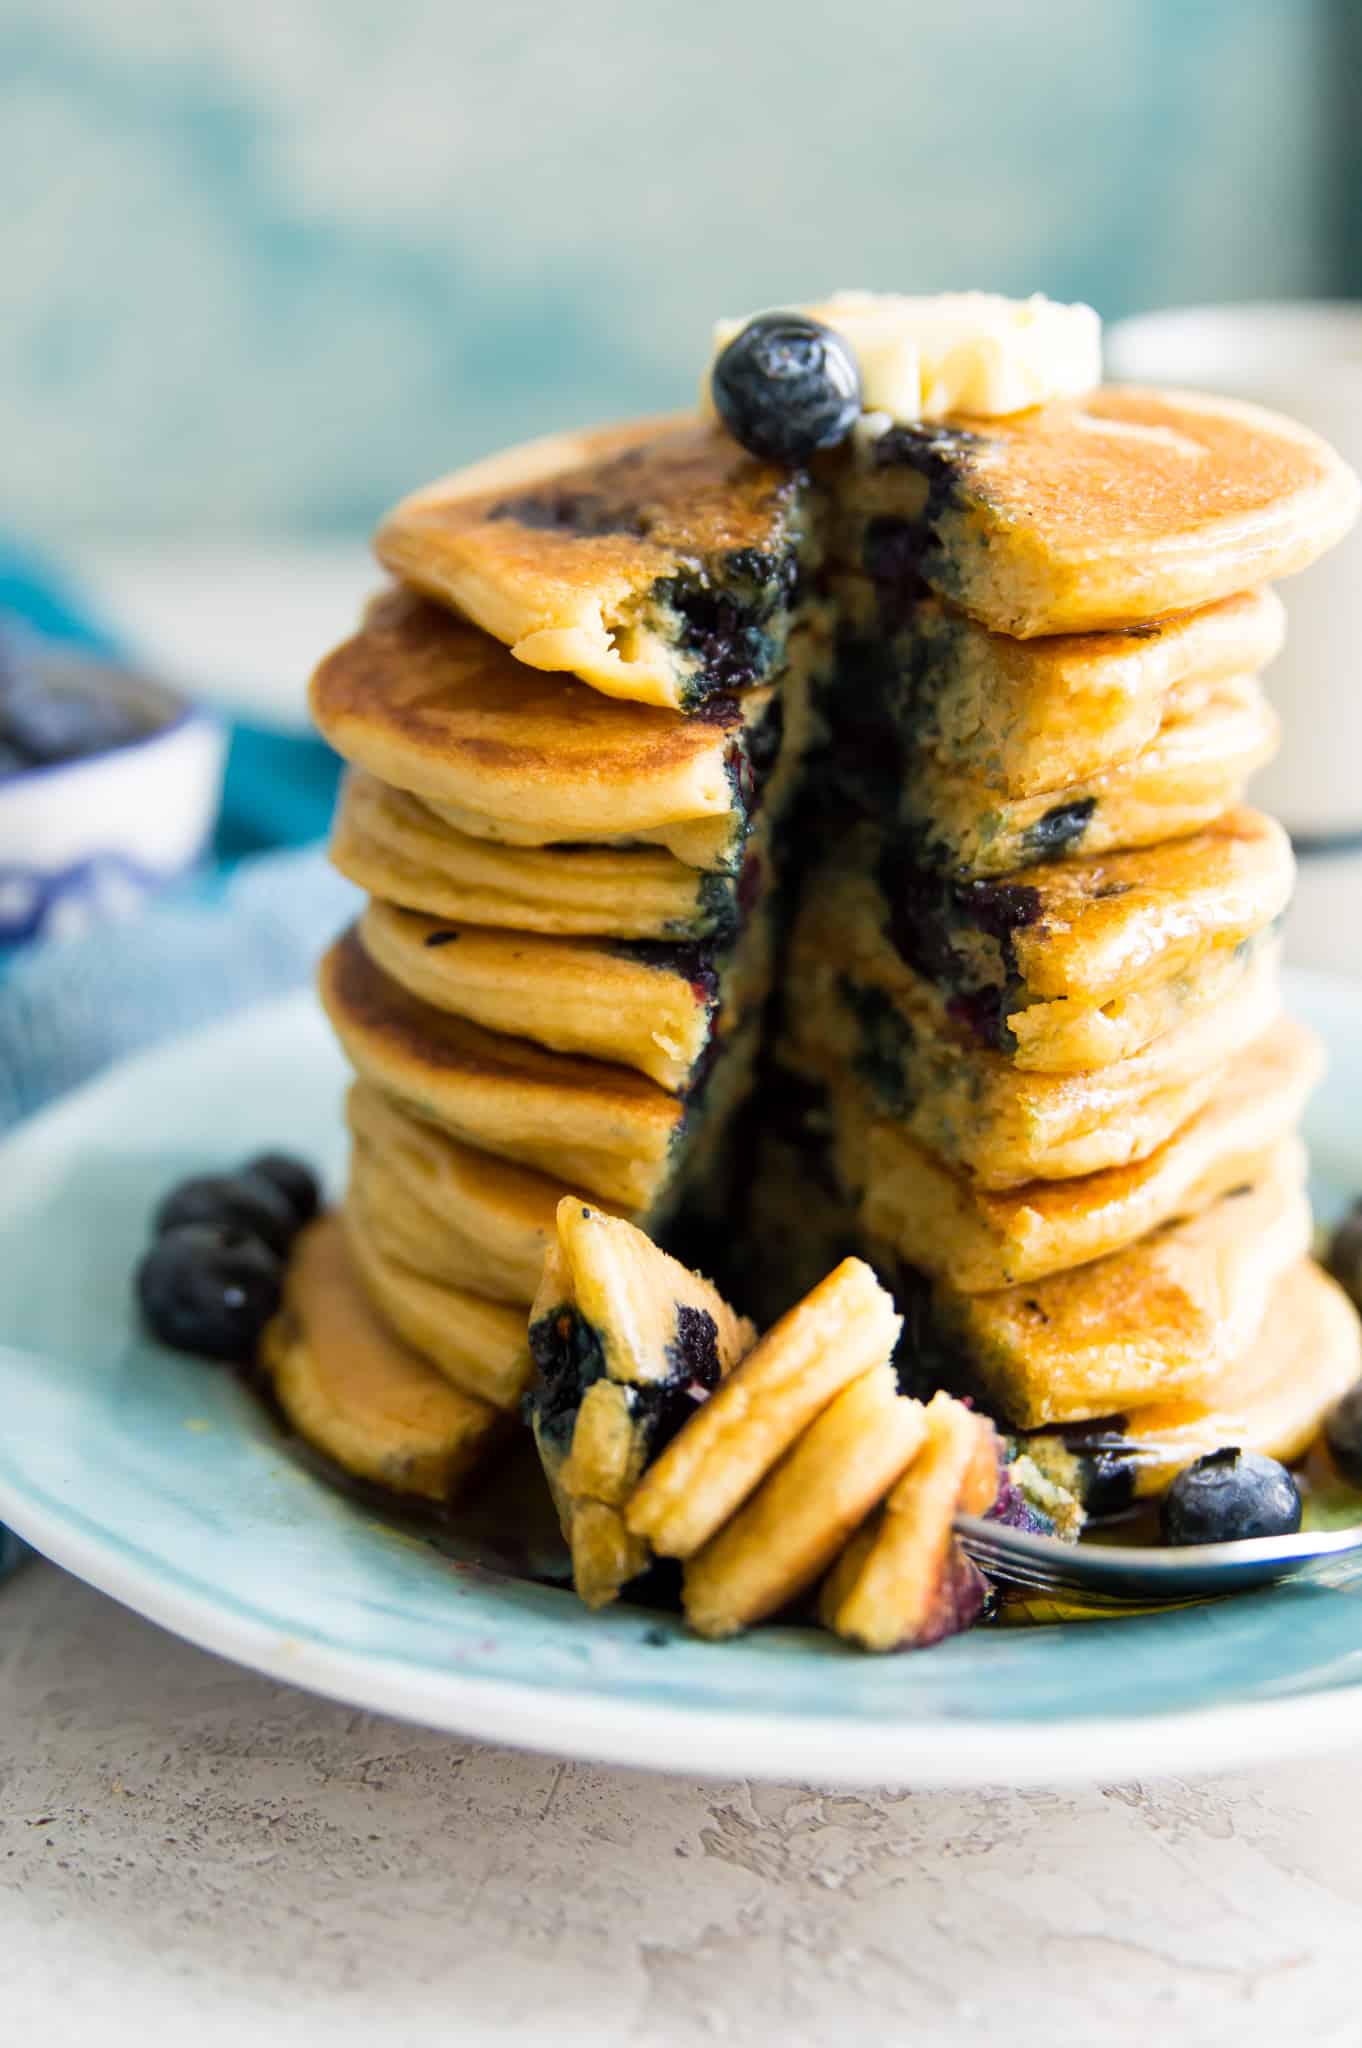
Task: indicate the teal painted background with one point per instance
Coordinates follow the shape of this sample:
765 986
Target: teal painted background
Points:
266 264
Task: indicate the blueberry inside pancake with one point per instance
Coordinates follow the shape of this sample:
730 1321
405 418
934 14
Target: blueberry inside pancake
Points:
658 561
626 1344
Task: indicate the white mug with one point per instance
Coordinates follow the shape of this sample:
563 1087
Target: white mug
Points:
1303 359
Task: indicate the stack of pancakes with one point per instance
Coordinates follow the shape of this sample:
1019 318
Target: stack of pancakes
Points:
806 863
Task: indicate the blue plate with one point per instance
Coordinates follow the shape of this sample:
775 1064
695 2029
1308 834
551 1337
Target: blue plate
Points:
161 1482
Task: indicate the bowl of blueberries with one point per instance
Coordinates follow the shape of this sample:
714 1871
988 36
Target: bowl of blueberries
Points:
109 787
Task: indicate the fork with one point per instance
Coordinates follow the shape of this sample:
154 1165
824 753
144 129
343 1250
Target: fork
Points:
1111 1575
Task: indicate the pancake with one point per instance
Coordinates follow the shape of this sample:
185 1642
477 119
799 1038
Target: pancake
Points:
977 1242
845 1327
903 1582
784 1537
476 1344
1094 513
1165 1318
1194 769
883 1056
393 846
600 1127
359 1395
626 1343
1023 716
1080 931
444 1209
649 1008
429 705
655 559
1274 1400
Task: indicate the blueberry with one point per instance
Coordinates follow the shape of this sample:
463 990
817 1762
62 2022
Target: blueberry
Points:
245 1202
1230 1495
48 725
1343 1434
210 1289
296 1182
787 386
1344 1257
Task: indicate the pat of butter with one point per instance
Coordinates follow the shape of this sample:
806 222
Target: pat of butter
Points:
958 352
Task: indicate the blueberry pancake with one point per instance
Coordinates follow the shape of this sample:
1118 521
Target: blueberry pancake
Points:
445 1209
941 1223
354 1391
786 1534
883 1057
844 1328
648 1006
396 847
656 559
1025 716
428 705
604 1127
1272 1400
1096 513
626 1345
1166 1317
1194 769
903 1582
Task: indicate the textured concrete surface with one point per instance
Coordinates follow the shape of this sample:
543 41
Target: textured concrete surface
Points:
187 1851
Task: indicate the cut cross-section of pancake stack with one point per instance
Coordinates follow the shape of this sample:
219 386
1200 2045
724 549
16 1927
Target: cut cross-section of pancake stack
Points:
855 860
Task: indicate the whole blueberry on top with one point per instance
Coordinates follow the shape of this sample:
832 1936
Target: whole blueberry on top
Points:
246 1202
1228 1496
1343 1434
296 1182
786 386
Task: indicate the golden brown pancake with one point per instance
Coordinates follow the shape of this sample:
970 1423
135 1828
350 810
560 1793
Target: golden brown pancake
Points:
1193 770
600 1127
626 1343
654 559
939 1222
652 1011
1096 513
429 705
476 1344
393 846
1165 1318
1024 716
886 1057
443 1208
1273 1400
357 1393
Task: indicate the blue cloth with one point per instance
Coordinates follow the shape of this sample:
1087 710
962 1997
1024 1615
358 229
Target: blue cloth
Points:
246 928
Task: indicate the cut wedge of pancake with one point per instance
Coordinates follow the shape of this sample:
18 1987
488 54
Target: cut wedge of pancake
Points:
1086 931
626 1343
1192 771
651 1011
443 1208
1098 512
974 1241
600 1127
1165 1318
655 559
881 1056
1305 1357
476 1344
357 1393
395 847
1025 716
428 704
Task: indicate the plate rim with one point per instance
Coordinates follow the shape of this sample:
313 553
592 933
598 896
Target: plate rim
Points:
564 1719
